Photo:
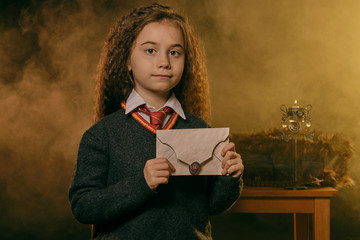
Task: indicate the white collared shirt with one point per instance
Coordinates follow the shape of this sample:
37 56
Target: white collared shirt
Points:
135 100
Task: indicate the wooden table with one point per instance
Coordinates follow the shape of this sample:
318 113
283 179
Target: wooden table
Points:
302 203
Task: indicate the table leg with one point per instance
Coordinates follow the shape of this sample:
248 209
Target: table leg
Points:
321 219
301 226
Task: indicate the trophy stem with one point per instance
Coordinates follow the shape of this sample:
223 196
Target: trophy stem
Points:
296 161
296 185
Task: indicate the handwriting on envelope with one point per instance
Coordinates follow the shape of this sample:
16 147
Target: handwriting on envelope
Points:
193 151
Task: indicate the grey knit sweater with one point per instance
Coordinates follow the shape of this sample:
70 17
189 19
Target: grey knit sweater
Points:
109 189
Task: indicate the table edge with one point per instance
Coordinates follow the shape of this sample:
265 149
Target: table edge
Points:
281 192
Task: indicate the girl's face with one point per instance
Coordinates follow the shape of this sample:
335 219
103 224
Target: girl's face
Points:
157 59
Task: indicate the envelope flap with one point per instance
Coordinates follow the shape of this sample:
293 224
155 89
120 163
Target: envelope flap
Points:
193 145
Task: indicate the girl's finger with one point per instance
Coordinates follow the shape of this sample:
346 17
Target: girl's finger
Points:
228 147
233 168
163 173
172 168
229 163
229 155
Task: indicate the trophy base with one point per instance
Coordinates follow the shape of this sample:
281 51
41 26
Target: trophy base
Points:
296 187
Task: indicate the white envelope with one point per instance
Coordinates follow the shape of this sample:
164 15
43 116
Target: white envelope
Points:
193 151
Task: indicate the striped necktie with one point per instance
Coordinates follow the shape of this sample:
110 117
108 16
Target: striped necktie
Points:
156 118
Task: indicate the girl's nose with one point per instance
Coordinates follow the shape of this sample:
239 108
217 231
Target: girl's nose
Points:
163 61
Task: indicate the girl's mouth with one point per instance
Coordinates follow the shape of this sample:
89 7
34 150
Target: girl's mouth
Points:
162 76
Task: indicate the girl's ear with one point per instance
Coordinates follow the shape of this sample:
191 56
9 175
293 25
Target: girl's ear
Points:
128 66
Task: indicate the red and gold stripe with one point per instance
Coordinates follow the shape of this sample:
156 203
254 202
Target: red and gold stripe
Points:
147 125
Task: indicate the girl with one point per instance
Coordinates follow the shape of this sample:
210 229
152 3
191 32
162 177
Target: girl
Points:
151 61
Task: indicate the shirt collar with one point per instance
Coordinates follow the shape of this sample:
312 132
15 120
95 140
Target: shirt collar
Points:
135 100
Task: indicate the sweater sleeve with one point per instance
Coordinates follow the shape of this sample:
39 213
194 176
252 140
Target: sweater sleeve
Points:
92 201
223 192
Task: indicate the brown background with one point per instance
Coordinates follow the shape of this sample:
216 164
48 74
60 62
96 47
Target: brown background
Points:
260 54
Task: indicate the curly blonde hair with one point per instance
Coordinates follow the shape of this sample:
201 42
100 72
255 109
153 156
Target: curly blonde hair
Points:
114 82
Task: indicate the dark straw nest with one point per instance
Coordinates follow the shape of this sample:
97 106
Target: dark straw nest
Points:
269 160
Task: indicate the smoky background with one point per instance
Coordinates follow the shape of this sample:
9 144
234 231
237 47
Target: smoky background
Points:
260 54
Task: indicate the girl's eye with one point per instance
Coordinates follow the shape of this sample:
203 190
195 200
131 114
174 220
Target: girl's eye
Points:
174 53
150 51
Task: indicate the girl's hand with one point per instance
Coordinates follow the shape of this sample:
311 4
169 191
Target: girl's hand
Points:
232 163
157 171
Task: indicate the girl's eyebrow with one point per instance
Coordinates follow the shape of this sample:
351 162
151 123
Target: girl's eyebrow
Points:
154 43
148 42
177 45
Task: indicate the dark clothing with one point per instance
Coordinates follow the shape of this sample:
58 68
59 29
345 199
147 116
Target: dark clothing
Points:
109 189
